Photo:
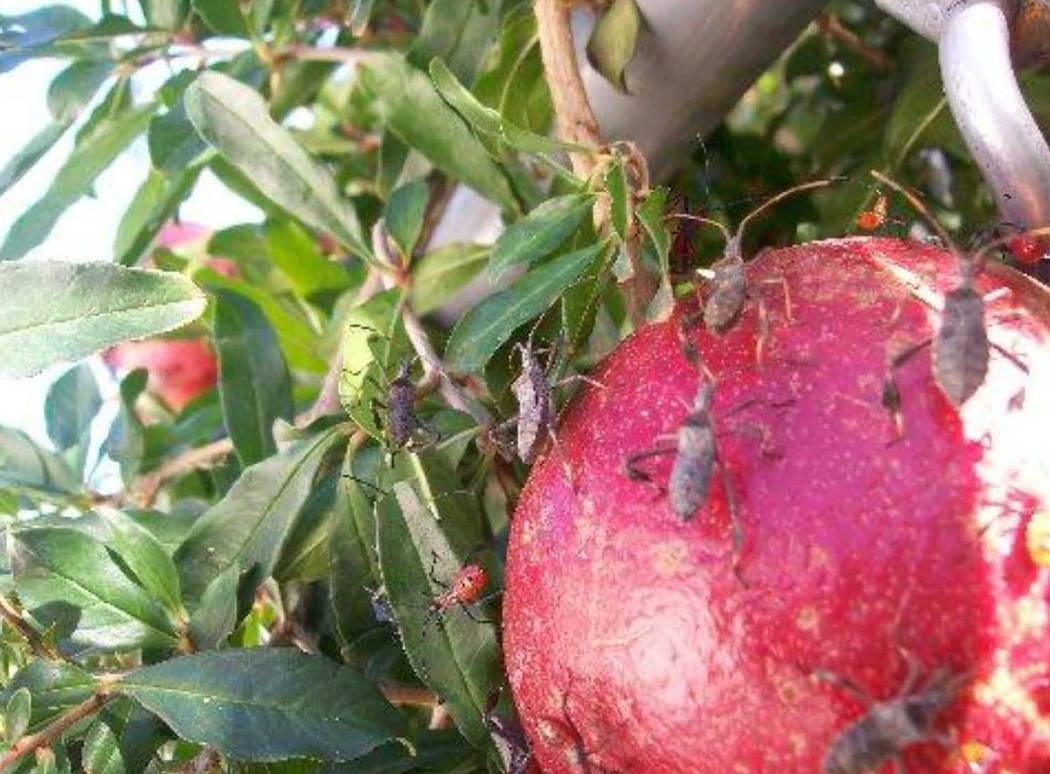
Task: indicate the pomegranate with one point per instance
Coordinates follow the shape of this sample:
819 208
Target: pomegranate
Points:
179 369
880 560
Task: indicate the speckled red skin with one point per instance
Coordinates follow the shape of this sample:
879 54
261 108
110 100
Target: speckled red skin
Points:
630 645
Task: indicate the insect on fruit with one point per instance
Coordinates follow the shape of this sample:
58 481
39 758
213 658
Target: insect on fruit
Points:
696 456
728 281
961 349
885 731
869 220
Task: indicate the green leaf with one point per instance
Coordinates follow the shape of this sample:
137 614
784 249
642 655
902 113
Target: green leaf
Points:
404 214
30 154
123 739
487 120
304 557
375 323
650 215
55 686
21 34
539 233
441 273
96 152
352 561
216 616
488 325
24 464
267 704
295 252
254 383
145 557
74 88
614 41
72 402
173 142
233 118
101 753
435 525
17 713
620 195
89 307
152 206
167 14
248 528
515 85
223 16
126 442
409 106
459 32
66 578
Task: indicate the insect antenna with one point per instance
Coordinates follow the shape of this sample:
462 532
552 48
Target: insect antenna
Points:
923 210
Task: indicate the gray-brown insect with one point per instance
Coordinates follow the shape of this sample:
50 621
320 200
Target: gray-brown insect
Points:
727 277
510 740
403 426
534 393
961 348
888 728
696 458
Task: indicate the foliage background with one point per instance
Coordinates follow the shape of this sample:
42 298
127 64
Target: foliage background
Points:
264 602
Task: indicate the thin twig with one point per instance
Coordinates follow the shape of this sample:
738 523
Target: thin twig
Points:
572 110
32 637
200 457
351 56
831 27
408 695
53 732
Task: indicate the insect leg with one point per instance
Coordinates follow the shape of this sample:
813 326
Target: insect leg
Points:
474 616
433 566
845 684
734 518
635 473
891 394
1010 356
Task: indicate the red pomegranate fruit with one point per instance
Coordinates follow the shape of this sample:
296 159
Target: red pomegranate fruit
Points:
885 567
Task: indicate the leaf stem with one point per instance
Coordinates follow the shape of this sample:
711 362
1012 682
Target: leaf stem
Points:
51 734
32 637
576 121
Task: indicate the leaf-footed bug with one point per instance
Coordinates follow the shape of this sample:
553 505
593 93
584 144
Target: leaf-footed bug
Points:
961 348
403 427
887 728
727 277
508 735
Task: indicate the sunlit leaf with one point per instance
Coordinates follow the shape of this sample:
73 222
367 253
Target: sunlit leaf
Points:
539 233
614 40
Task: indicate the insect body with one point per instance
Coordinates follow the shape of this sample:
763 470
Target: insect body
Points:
889 727
869 220
403 426
727 278
533 392
464 589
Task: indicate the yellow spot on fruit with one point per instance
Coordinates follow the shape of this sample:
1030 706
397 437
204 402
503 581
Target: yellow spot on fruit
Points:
807 618
669 558
1037 537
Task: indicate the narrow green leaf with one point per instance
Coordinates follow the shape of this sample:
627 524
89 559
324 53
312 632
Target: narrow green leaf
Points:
233 118
126 442
173 142
72 402
488 325
17 713
216 616
411 108
55 686
650 215
74 179
66 578
248 527
404 214
124 739
304 557
487 120
515 85
614 41
360 16
25 464
223 16
30 154
21 34
352 561
295 252
254 383
154 203
620 194
74 88
167 14
267 704
539 233
101 753
441 273
145 557
458 31
89 307
457 656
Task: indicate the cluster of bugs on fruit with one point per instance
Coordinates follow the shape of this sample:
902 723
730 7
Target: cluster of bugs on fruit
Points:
888 728
961 346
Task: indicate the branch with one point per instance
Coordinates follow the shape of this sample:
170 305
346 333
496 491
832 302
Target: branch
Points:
201 457
33 639
408 695
53 732
831 27
576 121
